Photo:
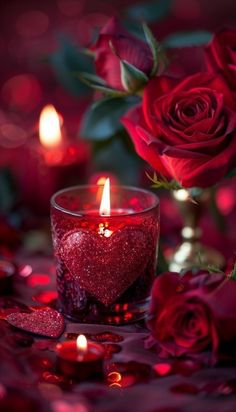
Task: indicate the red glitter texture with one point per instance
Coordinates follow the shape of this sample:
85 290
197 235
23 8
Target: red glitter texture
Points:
47 322
93 260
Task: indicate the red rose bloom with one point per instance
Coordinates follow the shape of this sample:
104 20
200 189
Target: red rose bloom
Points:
193 313
187 131
115 44
221 55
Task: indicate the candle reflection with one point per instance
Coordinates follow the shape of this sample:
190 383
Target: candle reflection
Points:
114 380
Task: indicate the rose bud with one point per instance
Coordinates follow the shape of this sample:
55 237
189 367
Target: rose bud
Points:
123 61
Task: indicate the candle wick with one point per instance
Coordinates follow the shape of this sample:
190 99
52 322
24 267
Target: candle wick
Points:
104 230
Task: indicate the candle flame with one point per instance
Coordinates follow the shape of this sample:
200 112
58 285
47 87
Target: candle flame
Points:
82 344
49 127
105 206
101 181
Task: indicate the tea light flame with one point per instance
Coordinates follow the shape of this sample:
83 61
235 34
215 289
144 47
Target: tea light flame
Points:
49 127
82 344
105 205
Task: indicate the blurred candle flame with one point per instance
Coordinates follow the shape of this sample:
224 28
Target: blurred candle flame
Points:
49 127
101 181
105 205
82 344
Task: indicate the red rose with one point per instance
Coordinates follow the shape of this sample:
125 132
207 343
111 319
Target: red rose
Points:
193 313
115 45
221 55
187 131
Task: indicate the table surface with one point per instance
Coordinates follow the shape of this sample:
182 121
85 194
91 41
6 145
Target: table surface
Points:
29 381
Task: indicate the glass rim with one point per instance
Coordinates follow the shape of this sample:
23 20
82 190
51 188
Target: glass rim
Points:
54 204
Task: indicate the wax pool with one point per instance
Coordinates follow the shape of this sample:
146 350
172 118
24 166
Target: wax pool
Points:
105 264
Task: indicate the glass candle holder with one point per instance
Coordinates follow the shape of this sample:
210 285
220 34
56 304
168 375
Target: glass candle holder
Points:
106 264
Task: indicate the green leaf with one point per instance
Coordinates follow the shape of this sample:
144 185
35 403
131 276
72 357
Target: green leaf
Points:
68 60
113 155
163 183
88 80
108 91
213 269
231 174
149 11
102 119
7 190
187 39
233 273
132 78
154 46
135 28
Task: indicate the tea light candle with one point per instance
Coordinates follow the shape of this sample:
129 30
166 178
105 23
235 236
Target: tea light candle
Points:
80 359
7 270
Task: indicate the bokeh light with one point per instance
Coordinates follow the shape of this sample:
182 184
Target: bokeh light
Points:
32 24
226 199
12 136
22 92
186 9
70 8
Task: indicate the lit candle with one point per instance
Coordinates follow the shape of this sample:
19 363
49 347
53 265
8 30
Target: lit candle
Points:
49 127
105 209
106 251
82 346
80 359
55 147
52 161
105 206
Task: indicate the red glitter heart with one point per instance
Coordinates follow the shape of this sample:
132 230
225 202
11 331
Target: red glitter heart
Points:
47 322
106 267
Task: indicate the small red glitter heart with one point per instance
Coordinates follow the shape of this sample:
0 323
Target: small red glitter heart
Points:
106 267
47 322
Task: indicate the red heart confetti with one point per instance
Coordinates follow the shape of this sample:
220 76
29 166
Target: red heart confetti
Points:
47 322
106 267
162 369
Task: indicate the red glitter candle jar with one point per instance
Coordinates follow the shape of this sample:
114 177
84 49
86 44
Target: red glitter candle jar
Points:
106 255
